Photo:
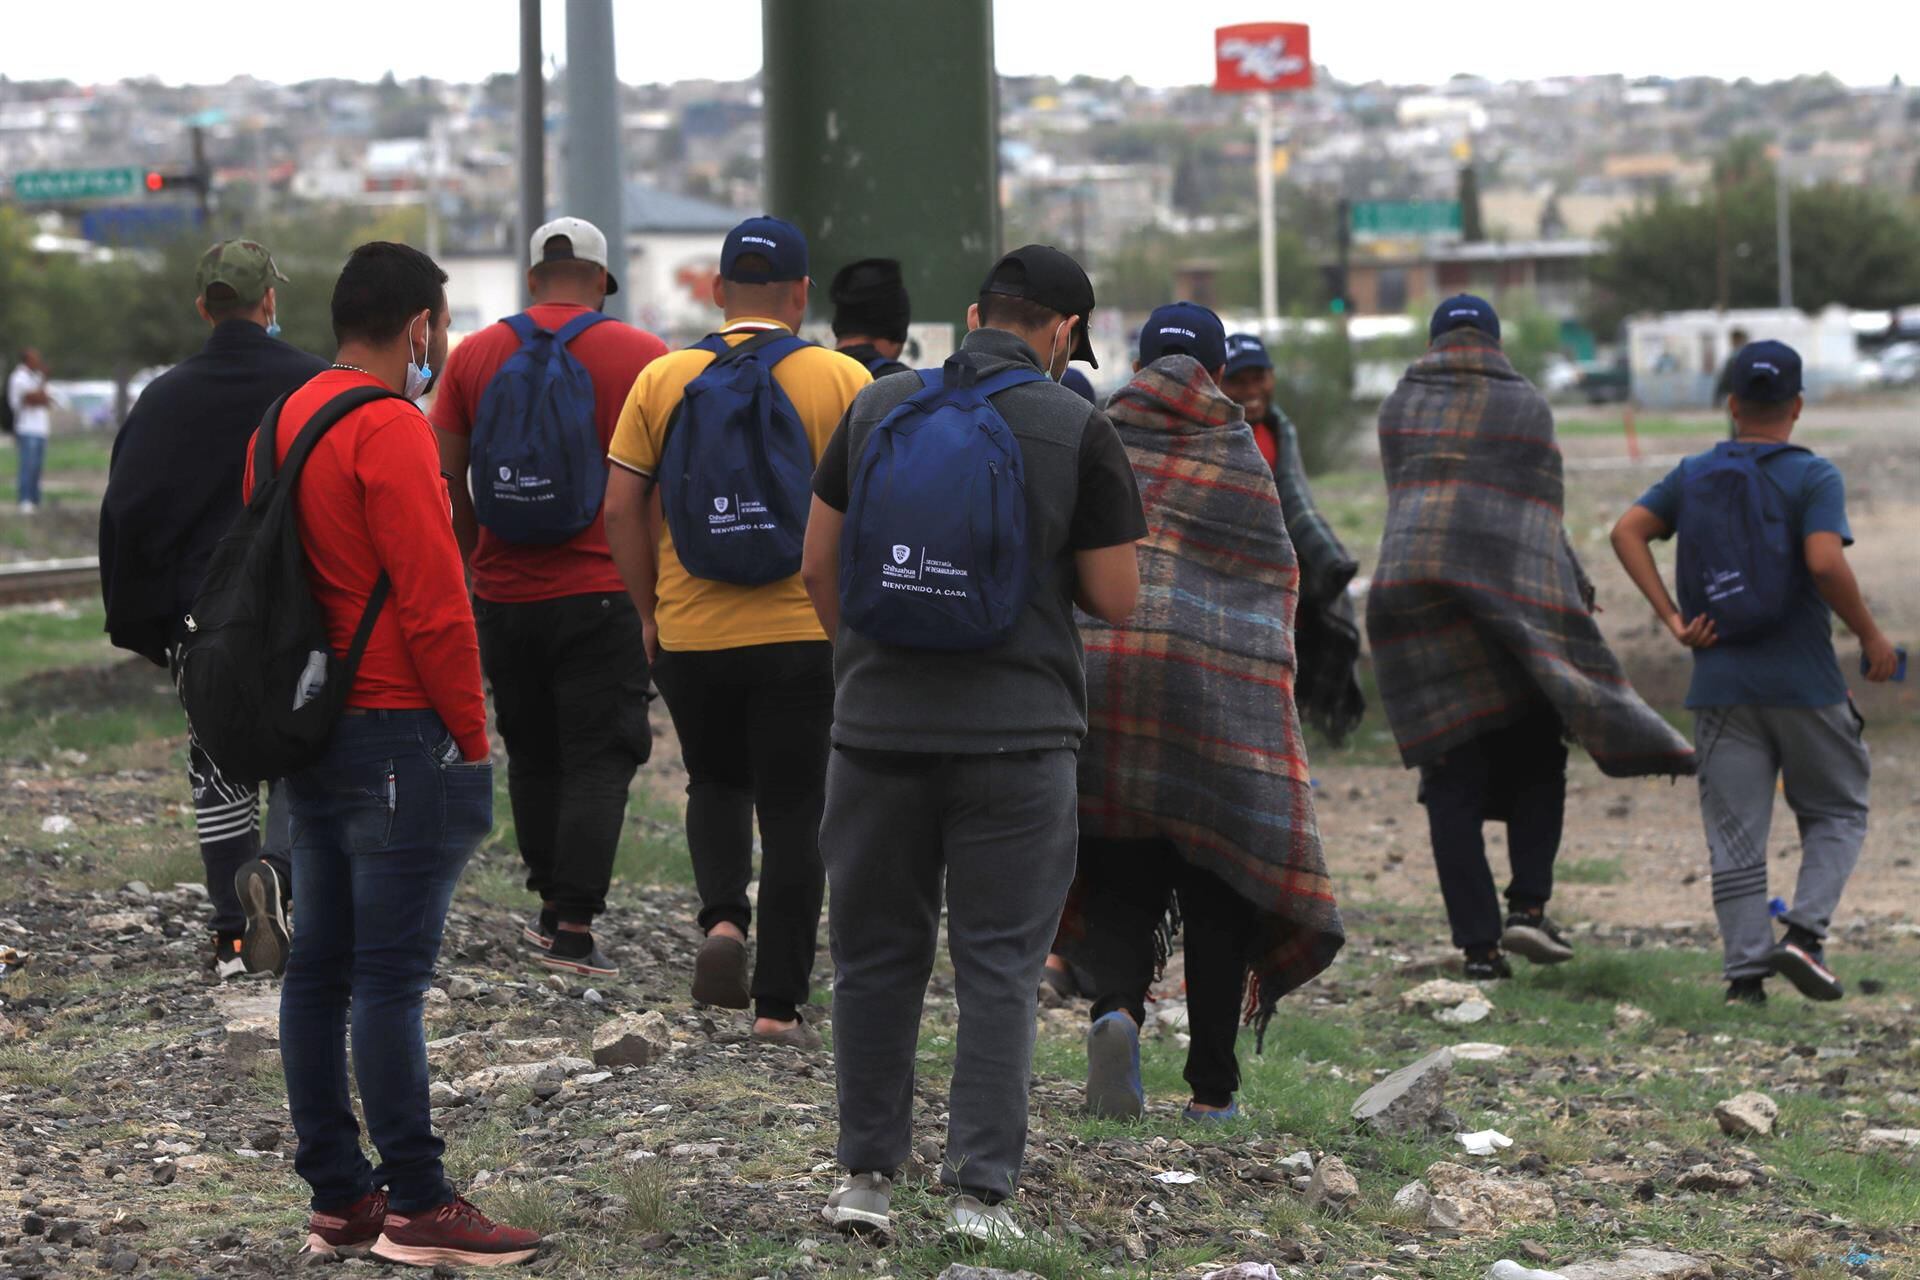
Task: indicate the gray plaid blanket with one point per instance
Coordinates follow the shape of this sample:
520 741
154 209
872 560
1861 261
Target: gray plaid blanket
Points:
1479 610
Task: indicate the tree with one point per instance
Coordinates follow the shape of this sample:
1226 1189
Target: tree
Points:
1851 246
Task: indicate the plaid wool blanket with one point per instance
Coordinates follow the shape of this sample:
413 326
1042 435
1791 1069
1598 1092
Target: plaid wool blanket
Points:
1479 609
1192 734
1326 637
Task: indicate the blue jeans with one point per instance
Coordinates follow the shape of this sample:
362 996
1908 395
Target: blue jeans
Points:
33 457
382 827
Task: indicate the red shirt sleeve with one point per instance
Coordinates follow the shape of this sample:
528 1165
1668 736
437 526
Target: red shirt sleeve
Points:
452 407
411 526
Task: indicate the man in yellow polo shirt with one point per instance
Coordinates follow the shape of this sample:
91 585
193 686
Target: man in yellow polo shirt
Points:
746 670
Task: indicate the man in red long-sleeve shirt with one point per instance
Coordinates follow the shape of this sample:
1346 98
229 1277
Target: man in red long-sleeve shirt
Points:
385 822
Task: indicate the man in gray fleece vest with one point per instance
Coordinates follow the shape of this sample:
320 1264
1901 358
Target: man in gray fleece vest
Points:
959 768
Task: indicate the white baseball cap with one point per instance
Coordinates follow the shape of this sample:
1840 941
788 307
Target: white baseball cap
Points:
583 243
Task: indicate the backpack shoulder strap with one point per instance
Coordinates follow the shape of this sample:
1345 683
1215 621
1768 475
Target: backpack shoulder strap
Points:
522 325
579 325
1007 379
325 416
777 342
266 446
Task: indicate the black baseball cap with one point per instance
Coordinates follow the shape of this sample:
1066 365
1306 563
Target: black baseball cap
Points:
1184 328
1042 274
1246 351
1464 311
776 240
1765 372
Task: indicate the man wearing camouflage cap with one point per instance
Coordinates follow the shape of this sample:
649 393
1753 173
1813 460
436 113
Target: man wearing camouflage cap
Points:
174 488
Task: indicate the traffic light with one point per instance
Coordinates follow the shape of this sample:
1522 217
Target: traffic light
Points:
159 181
1333 282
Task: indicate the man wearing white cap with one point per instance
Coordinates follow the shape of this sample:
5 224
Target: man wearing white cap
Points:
524 406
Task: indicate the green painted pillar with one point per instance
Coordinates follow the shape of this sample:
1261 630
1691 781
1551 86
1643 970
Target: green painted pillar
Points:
882 133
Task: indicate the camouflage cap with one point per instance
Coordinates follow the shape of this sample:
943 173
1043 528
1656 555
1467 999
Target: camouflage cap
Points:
244 266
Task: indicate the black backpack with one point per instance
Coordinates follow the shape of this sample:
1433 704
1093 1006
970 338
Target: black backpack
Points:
261 685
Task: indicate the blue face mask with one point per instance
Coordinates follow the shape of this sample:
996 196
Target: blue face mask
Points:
273 326
419 376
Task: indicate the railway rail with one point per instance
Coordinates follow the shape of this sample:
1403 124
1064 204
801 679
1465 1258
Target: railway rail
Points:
36 580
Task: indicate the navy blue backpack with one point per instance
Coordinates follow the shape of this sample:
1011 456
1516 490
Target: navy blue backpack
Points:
537 465
736 469
1738 559
934 551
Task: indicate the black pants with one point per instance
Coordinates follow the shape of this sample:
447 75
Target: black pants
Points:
1126 887
569 680
226 817
1516 774
753 725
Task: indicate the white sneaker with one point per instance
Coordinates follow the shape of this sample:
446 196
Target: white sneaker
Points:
973 1220
863 1202
28 508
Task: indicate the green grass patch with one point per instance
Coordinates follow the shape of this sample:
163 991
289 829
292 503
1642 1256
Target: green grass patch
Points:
1589 871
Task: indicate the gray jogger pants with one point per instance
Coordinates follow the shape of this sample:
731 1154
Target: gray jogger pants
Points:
1743 752
1001 833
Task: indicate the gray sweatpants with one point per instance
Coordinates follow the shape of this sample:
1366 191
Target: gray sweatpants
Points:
1001 832
1743 752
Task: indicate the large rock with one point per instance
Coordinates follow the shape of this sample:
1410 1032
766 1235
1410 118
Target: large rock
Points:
1641 1264
632 1040
1407 1100
1747 1115
1471 1202
1704 1177
1333 1189
471 1050
1413 1200
961 1271
1891 1140
1441 993
491 1080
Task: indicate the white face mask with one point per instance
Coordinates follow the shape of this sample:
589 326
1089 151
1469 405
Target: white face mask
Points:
1053 349
419 376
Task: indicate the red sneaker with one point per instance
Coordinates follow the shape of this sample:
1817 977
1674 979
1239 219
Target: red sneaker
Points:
456 1233
349 1233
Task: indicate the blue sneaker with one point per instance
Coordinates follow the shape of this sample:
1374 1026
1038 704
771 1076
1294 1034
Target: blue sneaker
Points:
1197 1116
1113 1069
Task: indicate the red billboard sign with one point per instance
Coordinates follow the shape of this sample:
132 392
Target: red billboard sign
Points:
1256 56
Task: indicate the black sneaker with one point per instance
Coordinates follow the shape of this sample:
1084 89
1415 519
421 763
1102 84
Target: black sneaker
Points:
1747 991
538 932
263 896
1534 936
574 952
1488 967
224 961
1805 967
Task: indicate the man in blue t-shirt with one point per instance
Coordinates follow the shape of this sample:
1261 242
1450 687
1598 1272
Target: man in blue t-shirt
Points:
1773 703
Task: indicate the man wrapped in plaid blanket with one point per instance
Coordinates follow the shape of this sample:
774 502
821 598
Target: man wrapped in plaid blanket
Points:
1193 777
1484 643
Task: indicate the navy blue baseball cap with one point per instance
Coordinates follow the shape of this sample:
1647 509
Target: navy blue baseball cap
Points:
1184 328
776 240
1464 311
1245 351
1078 383
1766 372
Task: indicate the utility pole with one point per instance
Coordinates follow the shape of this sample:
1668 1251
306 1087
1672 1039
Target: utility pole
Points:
595 174
202 175
1783 228
1263 166
864 172
533 131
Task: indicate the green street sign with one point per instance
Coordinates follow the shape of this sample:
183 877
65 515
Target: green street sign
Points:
1406 217
78 184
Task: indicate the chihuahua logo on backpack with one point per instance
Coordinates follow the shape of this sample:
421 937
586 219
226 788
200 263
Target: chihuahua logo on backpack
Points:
720 506
900 552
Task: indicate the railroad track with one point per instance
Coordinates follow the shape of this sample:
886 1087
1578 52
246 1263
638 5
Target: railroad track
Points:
33 580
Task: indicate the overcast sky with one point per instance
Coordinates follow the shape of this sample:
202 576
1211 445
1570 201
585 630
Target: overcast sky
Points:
1403 41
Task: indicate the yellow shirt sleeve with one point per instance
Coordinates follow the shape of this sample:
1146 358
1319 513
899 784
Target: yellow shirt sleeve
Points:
634 445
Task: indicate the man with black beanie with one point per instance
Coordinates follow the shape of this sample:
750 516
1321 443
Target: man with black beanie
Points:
870 314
